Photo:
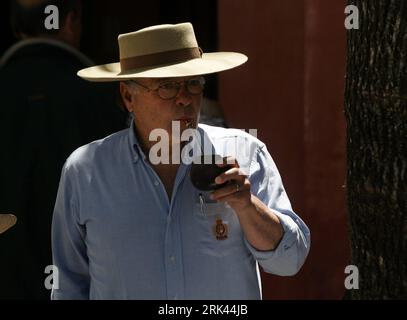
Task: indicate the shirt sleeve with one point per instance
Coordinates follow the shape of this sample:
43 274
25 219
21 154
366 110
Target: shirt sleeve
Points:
291 252
68 243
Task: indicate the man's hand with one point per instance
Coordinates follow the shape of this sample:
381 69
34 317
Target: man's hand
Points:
260 225
237 190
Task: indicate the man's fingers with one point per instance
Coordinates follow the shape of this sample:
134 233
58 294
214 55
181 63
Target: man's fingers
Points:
231 174
232 188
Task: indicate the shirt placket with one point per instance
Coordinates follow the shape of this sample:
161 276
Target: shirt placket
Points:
172 246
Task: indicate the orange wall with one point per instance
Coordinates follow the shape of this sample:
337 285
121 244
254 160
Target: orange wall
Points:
291 90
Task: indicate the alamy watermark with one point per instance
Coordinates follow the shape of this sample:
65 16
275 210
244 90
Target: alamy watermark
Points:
51 281
352 18
195 145
352 280
52 20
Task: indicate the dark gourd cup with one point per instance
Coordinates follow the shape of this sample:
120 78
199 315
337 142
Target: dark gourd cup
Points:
204 172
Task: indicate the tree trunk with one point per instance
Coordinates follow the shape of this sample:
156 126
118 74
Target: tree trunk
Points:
376 112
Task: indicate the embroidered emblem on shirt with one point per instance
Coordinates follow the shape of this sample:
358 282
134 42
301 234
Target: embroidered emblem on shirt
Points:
220 230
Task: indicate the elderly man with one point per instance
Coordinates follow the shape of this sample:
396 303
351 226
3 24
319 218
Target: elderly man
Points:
127 226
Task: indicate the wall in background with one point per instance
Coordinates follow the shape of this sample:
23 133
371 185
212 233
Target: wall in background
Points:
291 90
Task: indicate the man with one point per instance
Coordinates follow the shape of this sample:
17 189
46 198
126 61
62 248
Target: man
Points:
127 226
46 112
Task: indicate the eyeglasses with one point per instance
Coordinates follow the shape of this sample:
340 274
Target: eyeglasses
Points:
169 89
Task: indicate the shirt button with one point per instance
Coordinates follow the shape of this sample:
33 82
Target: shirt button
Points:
172 258
156 183
169 219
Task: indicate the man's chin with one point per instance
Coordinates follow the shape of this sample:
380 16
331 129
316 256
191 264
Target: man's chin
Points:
185 123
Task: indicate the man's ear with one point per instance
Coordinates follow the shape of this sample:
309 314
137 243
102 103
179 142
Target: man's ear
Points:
127 97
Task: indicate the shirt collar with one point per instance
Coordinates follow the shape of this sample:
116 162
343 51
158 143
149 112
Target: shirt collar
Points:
135 147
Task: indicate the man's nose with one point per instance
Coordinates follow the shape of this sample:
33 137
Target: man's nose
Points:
183 98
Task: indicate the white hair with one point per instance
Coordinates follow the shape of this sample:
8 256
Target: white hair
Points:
134 87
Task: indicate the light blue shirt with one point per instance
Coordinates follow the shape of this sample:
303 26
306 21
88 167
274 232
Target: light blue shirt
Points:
116 235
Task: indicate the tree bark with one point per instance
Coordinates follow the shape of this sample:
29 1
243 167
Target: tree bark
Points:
376 114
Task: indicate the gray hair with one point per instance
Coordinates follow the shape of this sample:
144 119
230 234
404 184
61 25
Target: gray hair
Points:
132 85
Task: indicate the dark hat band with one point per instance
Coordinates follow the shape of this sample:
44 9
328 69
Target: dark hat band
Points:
160 58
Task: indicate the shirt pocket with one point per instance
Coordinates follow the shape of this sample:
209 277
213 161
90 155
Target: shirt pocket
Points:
221 234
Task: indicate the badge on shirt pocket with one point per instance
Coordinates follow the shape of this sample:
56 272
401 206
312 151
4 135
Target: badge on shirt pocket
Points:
223 234
220 229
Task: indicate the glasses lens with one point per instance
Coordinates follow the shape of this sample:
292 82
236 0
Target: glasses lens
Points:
168 90
196 85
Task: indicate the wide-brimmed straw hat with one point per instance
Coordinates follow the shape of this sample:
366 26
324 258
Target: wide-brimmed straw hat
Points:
162 51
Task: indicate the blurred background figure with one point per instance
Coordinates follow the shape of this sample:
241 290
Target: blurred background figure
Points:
46 112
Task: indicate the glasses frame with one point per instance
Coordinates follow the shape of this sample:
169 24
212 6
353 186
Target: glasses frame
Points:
183 82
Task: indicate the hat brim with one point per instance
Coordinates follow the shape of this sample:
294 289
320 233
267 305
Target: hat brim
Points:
209 63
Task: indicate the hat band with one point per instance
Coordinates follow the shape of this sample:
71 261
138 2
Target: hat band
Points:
159 58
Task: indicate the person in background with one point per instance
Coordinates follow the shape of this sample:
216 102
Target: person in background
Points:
46 112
